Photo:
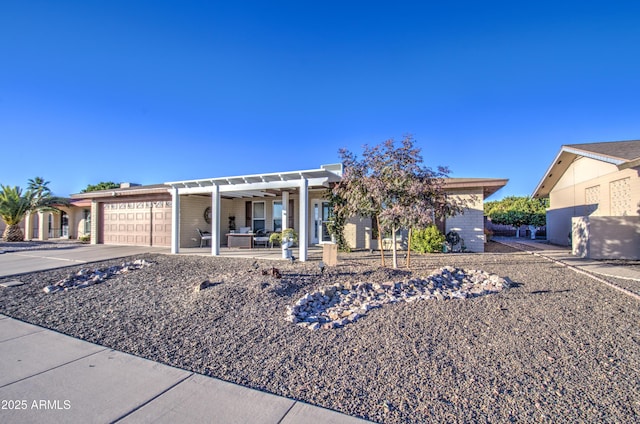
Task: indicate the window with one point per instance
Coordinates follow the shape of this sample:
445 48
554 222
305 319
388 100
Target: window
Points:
277 216
259 217
87 221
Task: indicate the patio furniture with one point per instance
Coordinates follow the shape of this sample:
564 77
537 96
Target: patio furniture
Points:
204 236
261 237
242 240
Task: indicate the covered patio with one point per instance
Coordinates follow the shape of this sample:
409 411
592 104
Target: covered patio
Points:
314 253
228 206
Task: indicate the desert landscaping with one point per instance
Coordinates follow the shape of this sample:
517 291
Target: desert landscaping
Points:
553 344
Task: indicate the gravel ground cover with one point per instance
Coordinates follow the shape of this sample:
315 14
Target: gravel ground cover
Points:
35 245
555 347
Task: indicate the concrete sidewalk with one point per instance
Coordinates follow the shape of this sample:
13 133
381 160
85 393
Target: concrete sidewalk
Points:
48 377
563 254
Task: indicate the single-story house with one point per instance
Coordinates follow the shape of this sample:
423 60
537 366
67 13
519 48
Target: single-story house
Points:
594 199
171 214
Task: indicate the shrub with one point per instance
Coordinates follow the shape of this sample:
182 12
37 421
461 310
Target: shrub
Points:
429 240
289 233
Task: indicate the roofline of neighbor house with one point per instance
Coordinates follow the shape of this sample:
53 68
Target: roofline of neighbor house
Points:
571 152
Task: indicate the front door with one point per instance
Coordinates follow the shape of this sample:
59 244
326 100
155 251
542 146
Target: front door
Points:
321 215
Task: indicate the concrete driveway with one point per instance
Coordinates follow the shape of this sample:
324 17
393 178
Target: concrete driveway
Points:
26 261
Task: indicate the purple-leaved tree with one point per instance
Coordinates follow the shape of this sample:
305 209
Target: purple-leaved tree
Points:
390 185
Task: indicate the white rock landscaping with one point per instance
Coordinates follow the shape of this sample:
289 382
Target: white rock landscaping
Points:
343 303
87 277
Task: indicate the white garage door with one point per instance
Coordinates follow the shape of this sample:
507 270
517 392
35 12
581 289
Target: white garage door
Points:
137 223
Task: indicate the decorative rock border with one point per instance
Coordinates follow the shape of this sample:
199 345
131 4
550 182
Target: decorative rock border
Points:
87 277
343 303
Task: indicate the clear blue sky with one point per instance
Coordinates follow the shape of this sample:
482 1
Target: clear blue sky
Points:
156 91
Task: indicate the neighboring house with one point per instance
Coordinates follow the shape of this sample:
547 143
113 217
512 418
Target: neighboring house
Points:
170 214
594 199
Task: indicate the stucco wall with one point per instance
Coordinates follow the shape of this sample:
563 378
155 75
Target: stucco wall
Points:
606 237
192 217
591 188
357 233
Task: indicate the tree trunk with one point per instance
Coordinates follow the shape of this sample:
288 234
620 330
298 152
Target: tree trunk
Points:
394 248
409 248
380 246
518 232
13 233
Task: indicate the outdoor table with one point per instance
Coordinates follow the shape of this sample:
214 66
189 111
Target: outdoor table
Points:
242 240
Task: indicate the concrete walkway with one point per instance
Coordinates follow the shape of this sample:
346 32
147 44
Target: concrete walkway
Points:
563 254
48 377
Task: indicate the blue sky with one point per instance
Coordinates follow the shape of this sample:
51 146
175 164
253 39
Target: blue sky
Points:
156 91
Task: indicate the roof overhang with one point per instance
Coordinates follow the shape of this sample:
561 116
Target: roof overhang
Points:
488 185
561 163
128 191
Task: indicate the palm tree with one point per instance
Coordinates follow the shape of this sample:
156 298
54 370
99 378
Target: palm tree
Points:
39 188
13 207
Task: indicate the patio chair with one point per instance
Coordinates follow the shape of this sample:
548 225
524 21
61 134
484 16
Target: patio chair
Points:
261 237
204 236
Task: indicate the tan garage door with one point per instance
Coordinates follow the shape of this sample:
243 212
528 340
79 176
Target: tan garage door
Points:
137 223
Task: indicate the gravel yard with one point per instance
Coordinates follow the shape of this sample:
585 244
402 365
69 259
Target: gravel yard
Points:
556 346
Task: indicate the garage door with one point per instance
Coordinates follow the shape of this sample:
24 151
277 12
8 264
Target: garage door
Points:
137 223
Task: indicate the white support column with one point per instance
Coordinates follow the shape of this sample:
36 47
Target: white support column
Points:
215 221
43 228
175 221
28 226
95 221
285 209
303 237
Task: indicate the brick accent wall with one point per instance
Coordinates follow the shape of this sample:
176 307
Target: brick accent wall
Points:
470 225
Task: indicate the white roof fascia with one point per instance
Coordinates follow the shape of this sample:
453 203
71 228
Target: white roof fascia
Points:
592 155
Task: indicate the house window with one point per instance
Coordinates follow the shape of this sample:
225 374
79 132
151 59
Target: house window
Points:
620 191
259 216
277 216
87 221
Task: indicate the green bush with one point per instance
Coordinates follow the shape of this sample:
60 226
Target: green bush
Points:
429 240
276 238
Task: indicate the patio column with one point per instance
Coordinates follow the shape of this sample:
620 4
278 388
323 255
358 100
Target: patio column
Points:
43 228
175 221
95 220
304 219
28 226
215 221
285 207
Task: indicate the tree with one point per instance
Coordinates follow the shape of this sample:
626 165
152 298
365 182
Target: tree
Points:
14 205
39 187
13 208
104 185
390 185
518 211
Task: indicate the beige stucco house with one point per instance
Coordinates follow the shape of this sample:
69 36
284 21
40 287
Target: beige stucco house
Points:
594 197
171 214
